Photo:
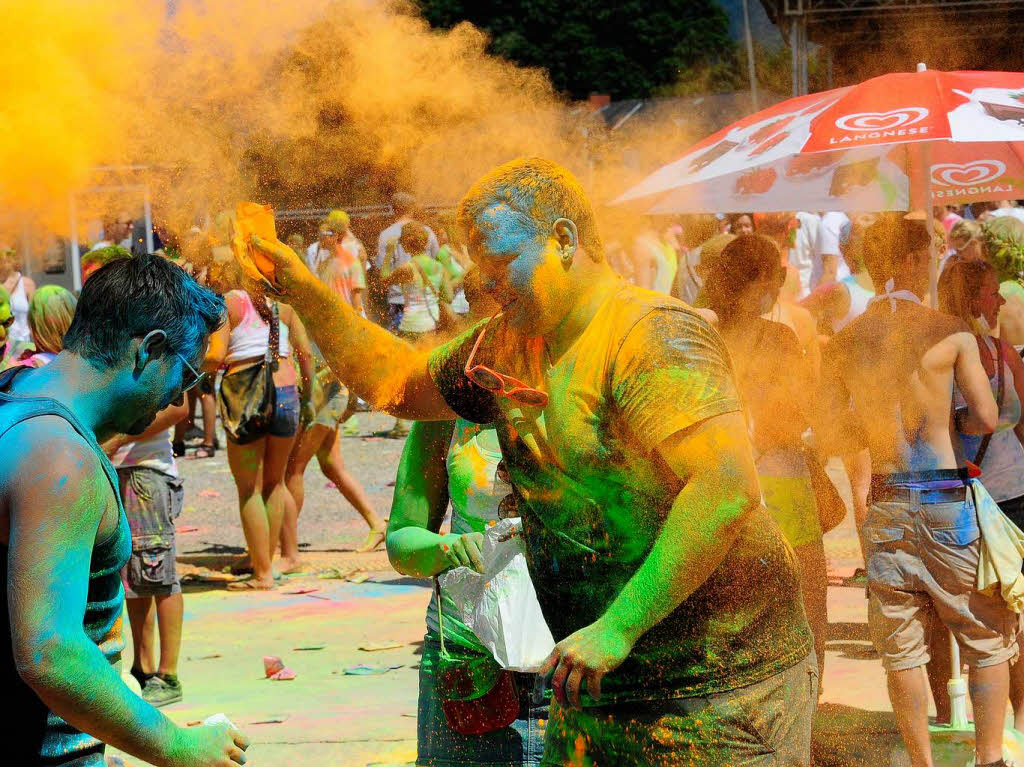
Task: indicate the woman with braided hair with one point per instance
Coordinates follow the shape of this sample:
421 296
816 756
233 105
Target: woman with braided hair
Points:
1004 249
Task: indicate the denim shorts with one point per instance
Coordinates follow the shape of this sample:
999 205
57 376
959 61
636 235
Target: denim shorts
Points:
438 745
286 412
922 562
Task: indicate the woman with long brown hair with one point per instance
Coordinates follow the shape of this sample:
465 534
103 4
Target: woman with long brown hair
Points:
258 465
774 381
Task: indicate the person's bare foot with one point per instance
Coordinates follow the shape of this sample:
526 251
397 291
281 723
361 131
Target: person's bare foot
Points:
374 539
289 565
253 584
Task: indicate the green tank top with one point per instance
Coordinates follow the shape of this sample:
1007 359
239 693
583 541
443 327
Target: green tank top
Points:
475 493
43 737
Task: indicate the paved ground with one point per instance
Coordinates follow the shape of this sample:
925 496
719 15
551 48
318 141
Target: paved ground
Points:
328 718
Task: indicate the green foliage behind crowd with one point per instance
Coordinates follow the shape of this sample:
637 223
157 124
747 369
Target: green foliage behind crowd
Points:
625 48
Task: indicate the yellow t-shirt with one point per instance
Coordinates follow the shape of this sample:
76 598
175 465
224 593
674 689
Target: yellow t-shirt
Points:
595 492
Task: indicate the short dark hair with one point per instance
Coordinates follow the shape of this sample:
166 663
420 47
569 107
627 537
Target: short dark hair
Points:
414 238
539 192
734 218
746 259
129 297
888 242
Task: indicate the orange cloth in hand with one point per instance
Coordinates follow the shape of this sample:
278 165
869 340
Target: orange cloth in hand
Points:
252 218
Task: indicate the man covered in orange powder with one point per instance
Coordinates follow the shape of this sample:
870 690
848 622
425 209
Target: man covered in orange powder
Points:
670 591
886 384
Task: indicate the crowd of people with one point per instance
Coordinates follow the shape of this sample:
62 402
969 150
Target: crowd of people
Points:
658 409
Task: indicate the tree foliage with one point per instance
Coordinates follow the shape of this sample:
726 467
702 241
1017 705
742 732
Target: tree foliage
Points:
626 48
773 65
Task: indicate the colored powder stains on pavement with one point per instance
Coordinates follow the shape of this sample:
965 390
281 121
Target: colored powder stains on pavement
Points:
353 600
340 719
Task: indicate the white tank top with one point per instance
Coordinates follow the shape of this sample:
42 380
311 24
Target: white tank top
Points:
859 298
20 330
249 338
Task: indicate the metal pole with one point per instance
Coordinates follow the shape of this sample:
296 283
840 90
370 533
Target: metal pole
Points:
26 247
803 56
794 57
76 256
147 213
933 255
919 175
751 66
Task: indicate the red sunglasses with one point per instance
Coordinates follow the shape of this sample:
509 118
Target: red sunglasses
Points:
499 383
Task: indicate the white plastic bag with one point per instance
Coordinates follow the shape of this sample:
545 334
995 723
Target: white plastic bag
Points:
500 605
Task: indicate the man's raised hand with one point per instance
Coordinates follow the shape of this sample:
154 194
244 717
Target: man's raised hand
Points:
289 269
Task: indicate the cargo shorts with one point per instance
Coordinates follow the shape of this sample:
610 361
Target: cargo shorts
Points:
922 562
152 501
764 724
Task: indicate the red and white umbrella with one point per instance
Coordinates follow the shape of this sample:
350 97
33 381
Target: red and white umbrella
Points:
889 143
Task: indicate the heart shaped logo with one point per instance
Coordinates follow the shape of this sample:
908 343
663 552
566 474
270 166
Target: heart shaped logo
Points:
970 173
872 121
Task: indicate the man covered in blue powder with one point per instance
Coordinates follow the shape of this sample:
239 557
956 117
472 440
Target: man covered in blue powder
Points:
136 341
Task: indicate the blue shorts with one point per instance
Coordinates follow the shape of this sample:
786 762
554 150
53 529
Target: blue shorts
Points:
286 412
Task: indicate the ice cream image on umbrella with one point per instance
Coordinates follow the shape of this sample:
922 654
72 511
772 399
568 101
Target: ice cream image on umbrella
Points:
1001 109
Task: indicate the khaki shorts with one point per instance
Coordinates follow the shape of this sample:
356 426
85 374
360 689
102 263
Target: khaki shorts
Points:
329 400
922 561
767 723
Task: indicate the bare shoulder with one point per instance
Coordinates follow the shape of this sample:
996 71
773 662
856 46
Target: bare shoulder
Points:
800 314
964 340
235 300
803 322
945 352
49 458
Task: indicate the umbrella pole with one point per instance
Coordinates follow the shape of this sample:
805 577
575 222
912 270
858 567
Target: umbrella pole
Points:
919 167
956 688
933 256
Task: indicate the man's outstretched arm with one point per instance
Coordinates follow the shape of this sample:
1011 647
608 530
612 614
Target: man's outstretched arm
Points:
386 371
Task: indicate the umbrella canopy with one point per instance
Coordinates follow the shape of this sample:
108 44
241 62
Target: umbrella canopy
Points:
889 143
